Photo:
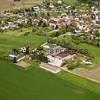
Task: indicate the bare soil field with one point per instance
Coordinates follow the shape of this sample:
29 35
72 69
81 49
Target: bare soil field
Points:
10 4
93 74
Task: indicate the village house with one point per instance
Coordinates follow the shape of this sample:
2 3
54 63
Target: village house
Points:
14 55
59 2
96 15
36 8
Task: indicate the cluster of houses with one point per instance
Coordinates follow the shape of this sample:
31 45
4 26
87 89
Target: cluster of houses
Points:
17 55
57 55
82 21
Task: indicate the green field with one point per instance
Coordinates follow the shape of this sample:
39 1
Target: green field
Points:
37 84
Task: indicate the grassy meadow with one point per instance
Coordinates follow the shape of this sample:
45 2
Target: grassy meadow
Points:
17 39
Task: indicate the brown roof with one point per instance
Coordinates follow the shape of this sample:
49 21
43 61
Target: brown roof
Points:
66 53
63 54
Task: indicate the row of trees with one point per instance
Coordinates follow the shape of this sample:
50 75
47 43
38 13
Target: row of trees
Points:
84 39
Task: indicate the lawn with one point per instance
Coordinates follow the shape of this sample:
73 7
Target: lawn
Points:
37 84
10 40
72 2
95 51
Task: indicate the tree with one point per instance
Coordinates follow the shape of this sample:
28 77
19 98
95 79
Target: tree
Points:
97 33
71 64
43 58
